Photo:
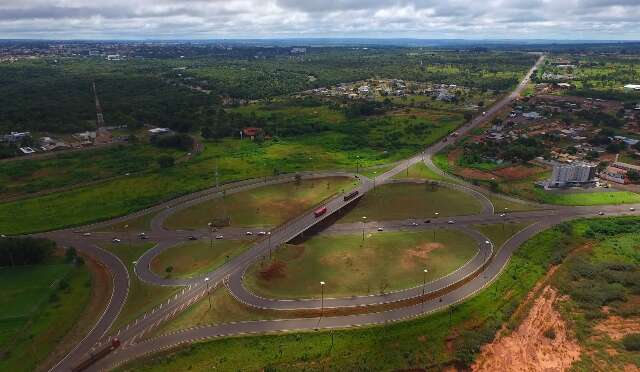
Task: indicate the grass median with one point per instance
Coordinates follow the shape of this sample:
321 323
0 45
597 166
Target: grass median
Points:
382 262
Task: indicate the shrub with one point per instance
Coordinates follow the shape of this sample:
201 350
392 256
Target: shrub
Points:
166 161
550 333
632 342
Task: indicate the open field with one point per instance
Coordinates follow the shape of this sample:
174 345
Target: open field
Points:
411 200
23 177
264 206
420 170
142 296
384 261
236 161
441 339
194 258
590 198
38 311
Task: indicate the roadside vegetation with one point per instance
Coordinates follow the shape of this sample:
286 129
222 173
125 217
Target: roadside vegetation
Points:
43 294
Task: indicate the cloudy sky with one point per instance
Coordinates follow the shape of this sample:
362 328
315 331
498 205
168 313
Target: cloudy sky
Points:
206 19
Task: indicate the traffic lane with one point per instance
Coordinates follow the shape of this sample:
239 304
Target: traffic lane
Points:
119 293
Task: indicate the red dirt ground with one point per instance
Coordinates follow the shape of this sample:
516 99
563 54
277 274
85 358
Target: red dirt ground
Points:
527 348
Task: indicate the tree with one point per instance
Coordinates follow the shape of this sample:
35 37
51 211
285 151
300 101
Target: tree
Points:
634 176
166 161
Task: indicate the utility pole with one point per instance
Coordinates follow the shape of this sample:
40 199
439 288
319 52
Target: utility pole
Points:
8 251
364 220
424 284
206 280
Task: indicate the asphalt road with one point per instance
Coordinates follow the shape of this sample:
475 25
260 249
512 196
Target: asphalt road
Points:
194 290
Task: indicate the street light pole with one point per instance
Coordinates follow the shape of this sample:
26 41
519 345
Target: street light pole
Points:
424 284
269 237
321 299
8 251
364 220
210 224
206 280
434 230
126 228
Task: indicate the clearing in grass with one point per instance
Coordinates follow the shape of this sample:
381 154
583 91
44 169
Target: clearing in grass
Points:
382 262
263 206
412 200
192 259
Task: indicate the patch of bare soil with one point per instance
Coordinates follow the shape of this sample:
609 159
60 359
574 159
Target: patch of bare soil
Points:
474 174
275 270
411 256
617 327
541 342
517 172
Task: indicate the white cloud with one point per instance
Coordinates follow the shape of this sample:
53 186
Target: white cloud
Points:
505 19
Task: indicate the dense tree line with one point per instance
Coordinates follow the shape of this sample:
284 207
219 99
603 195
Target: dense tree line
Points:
521 150
25 251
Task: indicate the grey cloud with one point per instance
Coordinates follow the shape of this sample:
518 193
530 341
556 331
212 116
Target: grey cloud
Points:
350 18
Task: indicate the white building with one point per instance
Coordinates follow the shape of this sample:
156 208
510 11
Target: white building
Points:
577 174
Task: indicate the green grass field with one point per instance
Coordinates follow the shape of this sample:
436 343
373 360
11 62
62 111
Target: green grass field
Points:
411 200
142 296
36 313
440 339
262 206
195 258
236 161
24 177
591 198
420 170
350 266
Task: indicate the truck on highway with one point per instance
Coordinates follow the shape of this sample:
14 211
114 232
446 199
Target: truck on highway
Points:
351 195
95 356
320 211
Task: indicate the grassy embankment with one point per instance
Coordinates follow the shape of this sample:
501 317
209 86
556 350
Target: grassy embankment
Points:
39 305
382 262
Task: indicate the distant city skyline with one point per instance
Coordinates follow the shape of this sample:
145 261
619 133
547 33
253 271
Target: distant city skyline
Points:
420 19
